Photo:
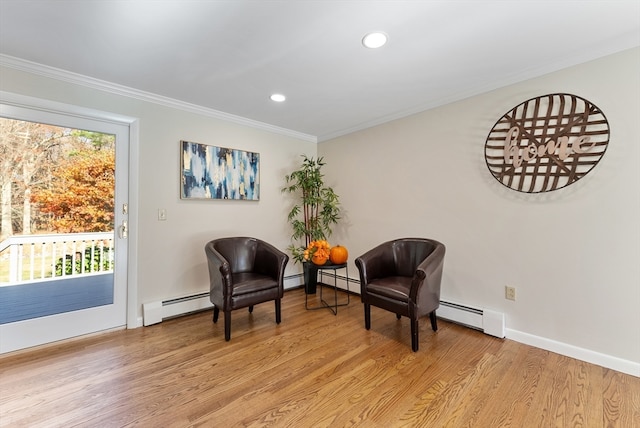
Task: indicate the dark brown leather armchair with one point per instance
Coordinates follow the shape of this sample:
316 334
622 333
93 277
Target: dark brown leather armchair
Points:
403 276
242 273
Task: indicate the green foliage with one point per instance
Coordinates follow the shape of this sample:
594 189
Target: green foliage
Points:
97 140
318 208
96 259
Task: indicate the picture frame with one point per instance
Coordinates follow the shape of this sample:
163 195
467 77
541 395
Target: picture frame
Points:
212 172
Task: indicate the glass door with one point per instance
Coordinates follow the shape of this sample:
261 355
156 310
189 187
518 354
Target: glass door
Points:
64 214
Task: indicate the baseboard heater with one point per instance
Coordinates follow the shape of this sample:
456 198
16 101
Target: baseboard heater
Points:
490 322
155 312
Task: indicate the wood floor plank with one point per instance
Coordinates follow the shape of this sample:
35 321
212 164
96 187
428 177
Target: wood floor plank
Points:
518 378
621 400
314 369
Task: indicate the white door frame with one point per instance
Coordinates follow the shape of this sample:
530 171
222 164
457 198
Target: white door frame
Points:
132 123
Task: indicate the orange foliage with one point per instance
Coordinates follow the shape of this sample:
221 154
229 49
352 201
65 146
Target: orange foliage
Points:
317 252
81 197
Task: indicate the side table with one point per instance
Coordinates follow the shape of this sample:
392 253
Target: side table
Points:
332 307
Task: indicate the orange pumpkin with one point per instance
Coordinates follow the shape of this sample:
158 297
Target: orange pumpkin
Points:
338 255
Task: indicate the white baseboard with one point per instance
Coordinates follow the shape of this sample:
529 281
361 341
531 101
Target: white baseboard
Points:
593 357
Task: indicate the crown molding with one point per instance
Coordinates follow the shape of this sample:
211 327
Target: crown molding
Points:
113 88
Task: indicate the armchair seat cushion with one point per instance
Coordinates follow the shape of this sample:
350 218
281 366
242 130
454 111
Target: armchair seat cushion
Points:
249 282
393 287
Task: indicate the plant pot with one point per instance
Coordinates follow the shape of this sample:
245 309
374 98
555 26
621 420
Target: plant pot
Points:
310 272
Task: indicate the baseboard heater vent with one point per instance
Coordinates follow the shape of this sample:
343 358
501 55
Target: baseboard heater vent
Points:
490 322
155 312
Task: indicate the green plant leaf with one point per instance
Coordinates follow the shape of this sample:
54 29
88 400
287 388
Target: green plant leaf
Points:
318 207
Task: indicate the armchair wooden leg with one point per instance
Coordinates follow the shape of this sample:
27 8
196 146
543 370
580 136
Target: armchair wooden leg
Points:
367 316
227 325
434 321
216 313
251 309
414 335
278 315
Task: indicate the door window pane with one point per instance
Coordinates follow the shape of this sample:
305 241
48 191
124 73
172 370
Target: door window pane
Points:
57 219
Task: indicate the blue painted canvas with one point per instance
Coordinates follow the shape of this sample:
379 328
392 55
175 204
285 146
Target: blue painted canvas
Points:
210 172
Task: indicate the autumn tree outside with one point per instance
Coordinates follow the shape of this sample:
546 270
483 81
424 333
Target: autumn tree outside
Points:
54 179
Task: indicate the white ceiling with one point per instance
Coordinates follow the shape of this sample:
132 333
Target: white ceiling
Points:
229 56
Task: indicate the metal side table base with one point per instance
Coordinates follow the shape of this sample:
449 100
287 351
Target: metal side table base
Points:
332 307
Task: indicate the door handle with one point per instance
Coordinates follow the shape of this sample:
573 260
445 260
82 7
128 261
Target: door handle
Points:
122 230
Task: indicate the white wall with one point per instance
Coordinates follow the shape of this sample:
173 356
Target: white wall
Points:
171 260
573 254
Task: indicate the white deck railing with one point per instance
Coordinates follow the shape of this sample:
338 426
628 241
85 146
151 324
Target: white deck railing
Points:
36 257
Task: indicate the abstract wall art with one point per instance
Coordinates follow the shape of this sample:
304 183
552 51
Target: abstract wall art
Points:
210 172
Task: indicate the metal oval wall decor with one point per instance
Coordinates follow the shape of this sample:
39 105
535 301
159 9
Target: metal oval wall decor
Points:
546 143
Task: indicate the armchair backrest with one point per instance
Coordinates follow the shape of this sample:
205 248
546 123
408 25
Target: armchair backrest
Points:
399 257
239 252
408 253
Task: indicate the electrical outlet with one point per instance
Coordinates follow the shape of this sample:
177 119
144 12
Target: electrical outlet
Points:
509 293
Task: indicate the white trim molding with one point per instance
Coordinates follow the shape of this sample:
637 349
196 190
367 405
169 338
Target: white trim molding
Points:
593 357
113 88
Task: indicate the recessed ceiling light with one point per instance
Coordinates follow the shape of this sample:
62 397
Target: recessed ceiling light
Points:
278 98
374 40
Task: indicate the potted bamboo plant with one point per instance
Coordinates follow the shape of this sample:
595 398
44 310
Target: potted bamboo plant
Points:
312 216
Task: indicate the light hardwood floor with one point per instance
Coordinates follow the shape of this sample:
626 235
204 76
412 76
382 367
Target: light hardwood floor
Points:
313 370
